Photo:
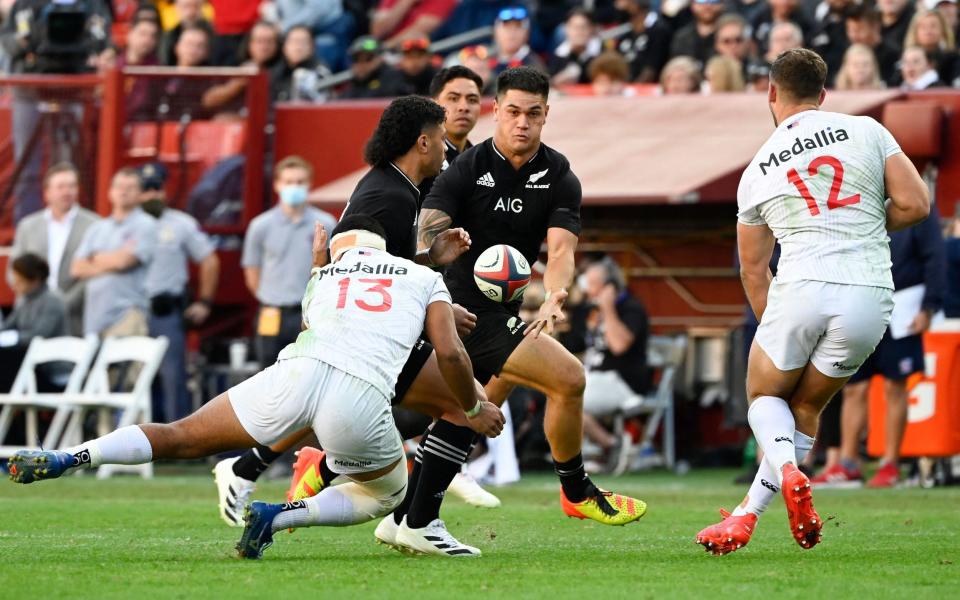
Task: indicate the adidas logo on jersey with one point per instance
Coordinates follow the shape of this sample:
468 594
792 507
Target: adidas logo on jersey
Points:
486 180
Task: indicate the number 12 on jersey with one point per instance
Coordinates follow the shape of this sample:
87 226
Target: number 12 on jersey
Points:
379 287
833 200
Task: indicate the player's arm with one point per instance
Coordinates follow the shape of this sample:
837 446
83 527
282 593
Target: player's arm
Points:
437 243
909 201
454 364
561 247
755 244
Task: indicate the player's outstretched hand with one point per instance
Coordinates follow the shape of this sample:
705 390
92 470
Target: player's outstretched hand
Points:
466 321
550 313
319 245
489 421
449 245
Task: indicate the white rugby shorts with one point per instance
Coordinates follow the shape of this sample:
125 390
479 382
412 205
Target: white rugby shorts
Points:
351 418
834 326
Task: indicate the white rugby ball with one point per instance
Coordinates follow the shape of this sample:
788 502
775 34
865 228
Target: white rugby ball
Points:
502 273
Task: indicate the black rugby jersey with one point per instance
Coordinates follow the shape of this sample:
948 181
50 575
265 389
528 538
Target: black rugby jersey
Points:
452 154
390 197
498 204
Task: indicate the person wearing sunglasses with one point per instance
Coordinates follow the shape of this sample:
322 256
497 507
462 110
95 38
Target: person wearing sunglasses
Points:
511 41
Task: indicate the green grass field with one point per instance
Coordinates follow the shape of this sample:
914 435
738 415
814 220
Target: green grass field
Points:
128 538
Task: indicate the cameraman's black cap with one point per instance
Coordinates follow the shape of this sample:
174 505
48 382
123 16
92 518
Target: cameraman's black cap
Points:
153 176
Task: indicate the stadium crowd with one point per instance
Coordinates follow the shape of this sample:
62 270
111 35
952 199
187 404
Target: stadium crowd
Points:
680 46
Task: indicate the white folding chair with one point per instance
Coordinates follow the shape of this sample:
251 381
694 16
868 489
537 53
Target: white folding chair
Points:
133 407
665 354
24 397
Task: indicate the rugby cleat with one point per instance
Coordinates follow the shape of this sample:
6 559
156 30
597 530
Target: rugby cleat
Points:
605 507
805 523
465 487
306 481
27 466
386 532
234 492
434 540
729 535
258 531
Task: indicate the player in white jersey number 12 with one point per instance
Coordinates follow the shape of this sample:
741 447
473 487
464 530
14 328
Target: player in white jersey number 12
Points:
828 187
363 313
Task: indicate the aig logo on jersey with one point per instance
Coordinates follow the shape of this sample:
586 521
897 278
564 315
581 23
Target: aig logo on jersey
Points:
534 178
511 205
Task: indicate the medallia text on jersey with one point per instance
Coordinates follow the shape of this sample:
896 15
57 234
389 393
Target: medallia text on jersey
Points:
359 267
821 139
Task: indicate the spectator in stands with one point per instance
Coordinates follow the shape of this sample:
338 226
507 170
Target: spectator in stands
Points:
182 96
859 70
372 77
332 27
919 72
724 74
570 61
895 17
298 74
929 30
477 59
415 64
647 45
148 12
277 257
179 239
829 35
233 20
189 16
748 9
616 357
947 8
609 74
732 41
397 20
113 259
54 234
784 36
680 76
141 51
511 41
951 297
261 49
864 26
777 12
37 312
696 39
919 264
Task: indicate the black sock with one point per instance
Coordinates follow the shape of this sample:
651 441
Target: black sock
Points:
327 475
412 482
574 480
254 462
444 453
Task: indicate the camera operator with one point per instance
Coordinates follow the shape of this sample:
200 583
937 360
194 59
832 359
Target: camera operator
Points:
49 37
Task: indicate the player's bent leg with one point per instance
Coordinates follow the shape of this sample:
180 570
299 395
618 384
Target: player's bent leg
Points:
214 428
543 364
369 495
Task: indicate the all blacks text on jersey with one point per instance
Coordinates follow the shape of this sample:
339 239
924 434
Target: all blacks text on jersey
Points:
821 139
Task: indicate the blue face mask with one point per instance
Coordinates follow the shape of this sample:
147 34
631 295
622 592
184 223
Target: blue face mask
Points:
293 195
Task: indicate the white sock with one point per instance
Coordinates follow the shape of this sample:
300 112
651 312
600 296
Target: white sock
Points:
761 492
125 446
347 504
764 486
773 425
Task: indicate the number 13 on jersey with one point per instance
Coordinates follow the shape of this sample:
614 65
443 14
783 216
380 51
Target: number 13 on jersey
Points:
376 291
833 200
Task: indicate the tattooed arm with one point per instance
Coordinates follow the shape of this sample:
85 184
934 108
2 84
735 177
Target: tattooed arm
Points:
437 244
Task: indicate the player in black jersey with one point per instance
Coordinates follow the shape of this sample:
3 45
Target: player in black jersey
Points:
512 189
407 147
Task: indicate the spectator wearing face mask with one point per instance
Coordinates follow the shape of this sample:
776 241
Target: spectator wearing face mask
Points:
278 255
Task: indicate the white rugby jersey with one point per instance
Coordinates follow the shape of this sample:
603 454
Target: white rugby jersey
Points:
365 312
818 183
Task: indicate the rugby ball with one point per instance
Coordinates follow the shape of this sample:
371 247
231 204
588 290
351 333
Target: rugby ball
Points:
502 273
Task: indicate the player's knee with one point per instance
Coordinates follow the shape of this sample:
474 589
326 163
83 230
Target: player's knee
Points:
389 490
571 382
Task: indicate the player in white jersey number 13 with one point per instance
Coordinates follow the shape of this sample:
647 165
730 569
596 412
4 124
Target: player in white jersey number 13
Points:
364 312
828 187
